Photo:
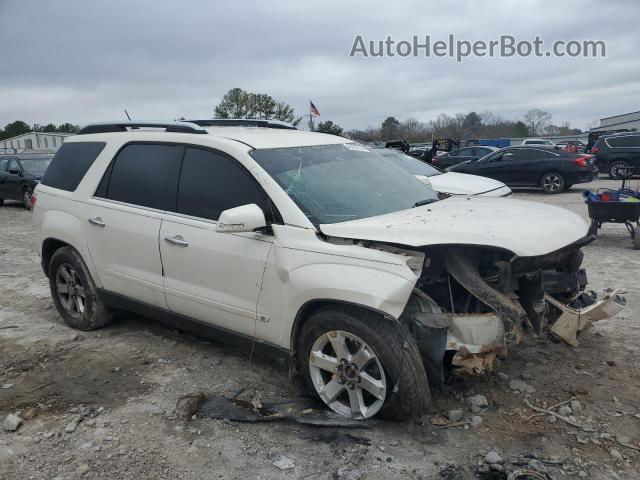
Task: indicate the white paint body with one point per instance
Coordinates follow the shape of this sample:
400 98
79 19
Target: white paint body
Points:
256 283
465 184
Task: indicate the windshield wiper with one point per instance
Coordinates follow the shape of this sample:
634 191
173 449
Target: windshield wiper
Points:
425 202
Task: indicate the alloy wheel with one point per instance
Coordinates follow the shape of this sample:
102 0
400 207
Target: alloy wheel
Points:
552 183
347 375
26 197
70 290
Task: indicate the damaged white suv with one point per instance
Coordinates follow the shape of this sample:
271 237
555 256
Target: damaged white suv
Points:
310 247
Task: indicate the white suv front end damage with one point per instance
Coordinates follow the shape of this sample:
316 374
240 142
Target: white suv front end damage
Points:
490 274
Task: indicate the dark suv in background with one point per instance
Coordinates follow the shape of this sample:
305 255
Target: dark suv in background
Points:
618 151
19 175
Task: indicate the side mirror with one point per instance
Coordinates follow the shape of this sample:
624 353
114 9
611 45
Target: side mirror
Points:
245 218
14 171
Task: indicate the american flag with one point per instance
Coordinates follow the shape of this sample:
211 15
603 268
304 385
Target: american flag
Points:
313 109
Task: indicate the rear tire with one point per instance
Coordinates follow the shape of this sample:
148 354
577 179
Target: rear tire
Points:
387 344
74 292
552 182
614 167
26 197
1 201
636 237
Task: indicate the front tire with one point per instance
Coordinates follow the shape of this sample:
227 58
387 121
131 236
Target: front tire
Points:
615 167
1 201
552 182
636 237
74 292
361 365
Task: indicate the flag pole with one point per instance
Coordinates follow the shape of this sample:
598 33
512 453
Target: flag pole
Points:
310 117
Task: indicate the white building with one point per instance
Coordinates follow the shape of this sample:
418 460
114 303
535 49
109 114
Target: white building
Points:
626 120
34 142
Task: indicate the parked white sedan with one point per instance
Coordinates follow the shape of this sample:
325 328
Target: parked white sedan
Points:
446 183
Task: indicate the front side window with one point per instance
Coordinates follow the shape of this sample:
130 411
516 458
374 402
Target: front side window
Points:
143 174
337 183
211 182
4 164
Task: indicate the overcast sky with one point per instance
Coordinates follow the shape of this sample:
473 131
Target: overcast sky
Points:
82 61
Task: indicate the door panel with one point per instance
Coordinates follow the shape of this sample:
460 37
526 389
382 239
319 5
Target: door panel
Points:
214 277
4 163
123 243
496 167
13 182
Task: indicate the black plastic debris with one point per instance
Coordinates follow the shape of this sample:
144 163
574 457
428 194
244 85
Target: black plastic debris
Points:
237 410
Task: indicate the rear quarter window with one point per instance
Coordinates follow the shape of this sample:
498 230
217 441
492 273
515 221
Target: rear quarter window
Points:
70 163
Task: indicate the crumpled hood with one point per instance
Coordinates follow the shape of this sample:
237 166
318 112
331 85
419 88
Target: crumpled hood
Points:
525 228
463 184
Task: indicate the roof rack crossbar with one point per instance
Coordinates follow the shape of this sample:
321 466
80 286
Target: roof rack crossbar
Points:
174 127
243 122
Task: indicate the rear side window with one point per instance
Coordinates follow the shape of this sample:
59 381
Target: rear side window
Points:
211 182
627 141
143 174
70 163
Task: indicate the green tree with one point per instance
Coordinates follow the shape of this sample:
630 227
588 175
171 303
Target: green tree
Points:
389 129
234 104
14 129
67 128
520 129
261 106
285 113
238 103
329 127
471 124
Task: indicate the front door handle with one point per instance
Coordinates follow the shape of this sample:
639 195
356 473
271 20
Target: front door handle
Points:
177 240
97 222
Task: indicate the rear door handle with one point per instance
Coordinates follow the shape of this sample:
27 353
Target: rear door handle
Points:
177 240
97 222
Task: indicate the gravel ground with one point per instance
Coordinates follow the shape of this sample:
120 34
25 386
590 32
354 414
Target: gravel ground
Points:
102 404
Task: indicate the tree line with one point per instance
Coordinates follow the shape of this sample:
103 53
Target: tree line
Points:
19 127
467 126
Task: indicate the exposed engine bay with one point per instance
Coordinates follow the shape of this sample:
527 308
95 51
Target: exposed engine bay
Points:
470 303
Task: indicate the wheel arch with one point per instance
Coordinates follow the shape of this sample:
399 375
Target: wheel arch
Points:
59 229
312 306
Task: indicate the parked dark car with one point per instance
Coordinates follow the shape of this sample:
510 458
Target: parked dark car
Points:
594 136
526 166
461 155
19 175
616 152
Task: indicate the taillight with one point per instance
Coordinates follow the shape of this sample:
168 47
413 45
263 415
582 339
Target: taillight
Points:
582 161
595 150
32 201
